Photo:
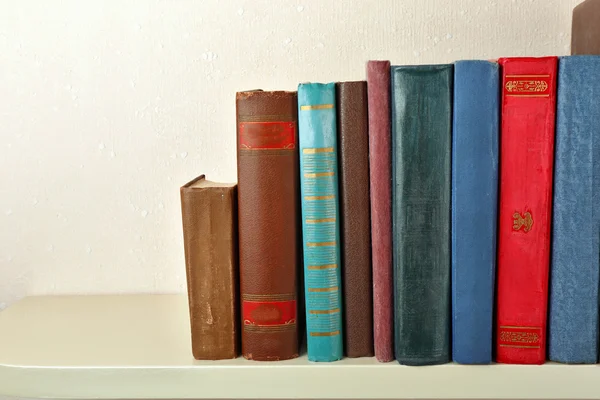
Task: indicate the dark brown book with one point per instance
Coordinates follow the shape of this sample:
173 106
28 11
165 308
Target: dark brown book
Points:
585 28
269 223
209 213
353 139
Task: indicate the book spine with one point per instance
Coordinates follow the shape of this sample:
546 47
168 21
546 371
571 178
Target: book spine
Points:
320 220
474 208
268 204
421 129
353 140
526 165
575 269
209 219
380 172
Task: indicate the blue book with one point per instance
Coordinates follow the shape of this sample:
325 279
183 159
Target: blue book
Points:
574 269
317 136
474 208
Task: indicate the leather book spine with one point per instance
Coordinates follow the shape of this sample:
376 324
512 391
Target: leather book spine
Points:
585 29
380 177
353 141
528 112
320 220
421 136
575 266
476 123
210 244
268 208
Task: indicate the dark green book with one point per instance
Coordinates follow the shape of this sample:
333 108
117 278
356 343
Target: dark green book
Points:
421 141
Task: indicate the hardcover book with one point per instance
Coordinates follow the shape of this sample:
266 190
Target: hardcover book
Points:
421 129
380 177
474 208
353 140
575 272
269 226
525 207
320 220
585 29
209 217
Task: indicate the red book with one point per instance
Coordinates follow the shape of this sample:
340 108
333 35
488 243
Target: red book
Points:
380 176
526 166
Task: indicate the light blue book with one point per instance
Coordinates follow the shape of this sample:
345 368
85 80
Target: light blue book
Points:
320 220
474 208
574 269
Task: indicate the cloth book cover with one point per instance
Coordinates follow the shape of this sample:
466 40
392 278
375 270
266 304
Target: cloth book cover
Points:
320 220
269 223
380 178
421 161
474 208
525 207
209 217
574 274
355 224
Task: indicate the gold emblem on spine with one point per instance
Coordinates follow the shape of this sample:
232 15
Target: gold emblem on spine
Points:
526 86
522 221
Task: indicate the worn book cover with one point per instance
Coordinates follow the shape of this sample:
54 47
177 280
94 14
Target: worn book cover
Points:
269 225
209 216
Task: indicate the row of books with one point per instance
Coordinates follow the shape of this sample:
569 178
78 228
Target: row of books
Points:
429 213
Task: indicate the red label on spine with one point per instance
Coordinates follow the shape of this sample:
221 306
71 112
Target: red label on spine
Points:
267 135
269 313
520 337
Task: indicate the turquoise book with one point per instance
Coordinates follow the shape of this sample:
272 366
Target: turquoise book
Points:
320 220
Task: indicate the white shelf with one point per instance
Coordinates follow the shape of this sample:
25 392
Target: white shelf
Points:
138 347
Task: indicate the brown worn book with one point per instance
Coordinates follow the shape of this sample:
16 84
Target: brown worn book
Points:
209 213
585 29
353 139
269 222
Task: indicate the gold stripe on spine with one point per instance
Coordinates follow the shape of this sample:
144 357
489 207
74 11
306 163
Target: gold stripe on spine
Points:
318 175
527 95
267 118
332 311
328 197
270 328
528 76
519 327
269 297
334 333
328 266
318 150
320 244
321 290
317 107
516 346
319 220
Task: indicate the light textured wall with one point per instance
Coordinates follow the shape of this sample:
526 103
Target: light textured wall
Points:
107 107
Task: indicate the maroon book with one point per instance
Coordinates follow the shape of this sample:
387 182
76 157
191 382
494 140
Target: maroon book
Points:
380 175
